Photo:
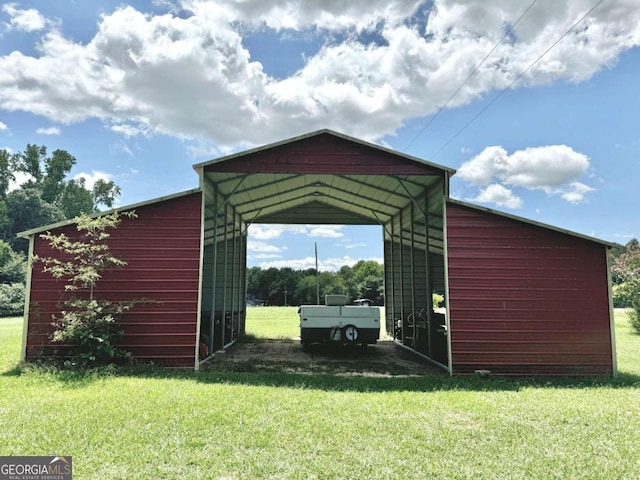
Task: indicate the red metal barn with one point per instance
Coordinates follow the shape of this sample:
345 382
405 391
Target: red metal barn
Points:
524 298
521 298
162 249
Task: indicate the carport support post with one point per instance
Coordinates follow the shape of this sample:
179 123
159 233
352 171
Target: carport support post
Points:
390 300
429 267
233 274
224 282
214 271
401 254
413 279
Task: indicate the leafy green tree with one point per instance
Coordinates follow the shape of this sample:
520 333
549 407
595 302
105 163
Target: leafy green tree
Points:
306 290
27 210
76 199
49 175
12 265
369 276
627 267
30 162
6 172
87 321
351 285
48 196
12 276
11 299
5 222
104 193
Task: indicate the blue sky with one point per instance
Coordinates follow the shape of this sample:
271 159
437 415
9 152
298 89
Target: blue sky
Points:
547 128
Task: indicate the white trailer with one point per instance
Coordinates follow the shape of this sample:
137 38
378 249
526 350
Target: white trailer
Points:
337 322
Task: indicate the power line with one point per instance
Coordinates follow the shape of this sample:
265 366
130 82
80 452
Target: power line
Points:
522 74
507 33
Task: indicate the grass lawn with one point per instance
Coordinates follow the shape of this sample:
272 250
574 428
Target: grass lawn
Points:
151 423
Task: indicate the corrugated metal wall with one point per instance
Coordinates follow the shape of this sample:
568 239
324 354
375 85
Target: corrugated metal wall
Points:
224 273
322 154
162 248
525 299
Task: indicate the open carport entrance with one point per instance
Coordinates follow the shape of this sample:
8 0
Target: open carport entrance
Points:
328 178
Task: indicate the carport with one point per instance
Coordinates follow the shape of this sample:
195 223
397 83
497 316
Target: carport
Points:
521 297
328 178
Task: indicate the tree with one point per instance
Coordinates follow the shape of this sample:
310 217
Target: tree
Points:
369 277
86 321
6 172
12 265
627 267
26 210
48 175
48 196
76 199
30 161
306 290
5 221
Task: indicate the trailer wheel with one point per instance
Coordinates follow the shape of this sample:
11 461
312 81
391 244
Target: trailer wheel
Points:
350 333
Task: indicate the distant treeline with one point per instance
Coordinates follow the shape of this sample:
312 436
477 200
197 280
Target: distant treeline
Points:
285 286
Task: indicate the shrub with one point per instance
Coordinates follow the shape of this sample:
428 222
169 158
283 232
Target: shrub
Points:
11 299
13 265
634 319
622 295
627 267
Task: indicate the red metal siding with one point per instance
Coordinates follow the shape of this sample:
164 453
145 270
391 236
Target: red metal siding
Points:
162 249
525 299
323 154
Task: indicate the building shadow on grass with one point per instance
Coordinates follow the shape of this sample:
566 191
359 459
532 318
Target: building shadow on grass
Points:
331 378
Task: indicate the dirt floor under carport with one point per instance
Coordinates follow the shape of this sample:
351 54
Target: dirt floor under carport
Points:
385 358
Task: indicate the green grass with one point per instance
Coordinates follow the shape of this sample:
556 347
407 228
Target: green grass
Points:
273 322
151 423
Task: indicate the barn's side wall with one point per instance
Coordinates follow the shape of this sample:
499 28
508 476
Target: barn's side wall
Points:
162 249
524 299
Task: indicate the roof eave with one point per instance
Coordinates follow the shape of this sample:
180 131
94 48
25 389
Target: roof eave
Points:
198 166
64 223
531 222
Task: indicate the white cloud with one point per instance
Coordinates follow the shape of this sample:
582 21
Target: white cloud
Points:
203 149
129 131
555 169
326 231
539 167
575 192
48 131
91 178
192 77
29 20
20 178
3 127
501 196
262 247
269 232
